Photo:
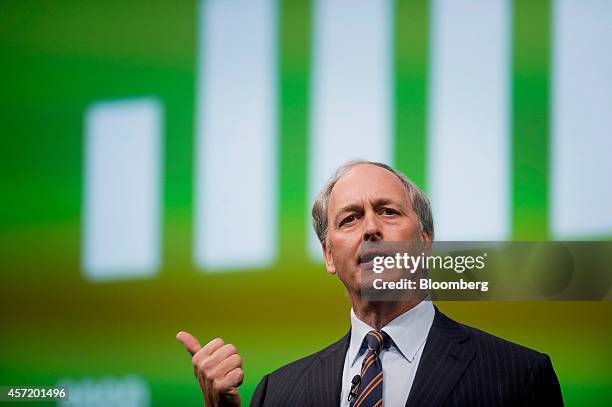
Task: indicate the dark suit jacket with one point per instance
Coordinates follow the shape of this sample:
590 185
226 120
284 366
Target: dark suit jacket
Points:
460 366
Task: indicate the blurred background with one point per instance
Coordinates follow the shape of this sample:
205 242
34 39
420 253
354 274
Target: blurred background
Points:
159 160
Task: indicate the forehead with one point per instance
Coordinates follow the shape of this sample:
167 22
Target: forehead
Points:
366 182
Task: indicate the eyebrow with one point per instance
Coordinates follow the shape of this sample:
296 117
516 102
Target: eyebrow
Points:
358 207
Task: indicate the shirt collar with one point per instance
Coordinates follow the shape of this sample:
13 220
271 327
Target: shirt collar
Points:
408 331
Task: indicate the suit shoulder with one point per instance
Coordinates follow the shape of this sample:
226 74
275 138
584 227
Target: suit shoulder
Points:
297 368
490 345
286 386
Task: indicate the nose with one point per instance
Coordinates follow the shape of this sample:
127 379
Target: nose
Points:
372 231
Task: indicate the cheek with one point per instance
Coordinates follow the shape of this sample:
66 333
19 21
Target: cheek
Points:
408 230
344 241
345 247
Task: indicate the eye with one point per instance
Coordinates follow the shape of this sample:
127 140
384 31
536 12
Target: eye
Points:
389 211
347 220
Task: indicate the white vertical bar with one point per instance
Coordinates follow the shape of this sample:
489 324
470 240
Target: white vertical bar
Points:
236 168
122 200
581 193
351 104
469 148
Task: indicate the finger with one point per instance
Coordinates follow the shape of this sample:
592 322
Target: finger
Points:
220 354
212 346
227 365
189 342
209 363
232 379
203 360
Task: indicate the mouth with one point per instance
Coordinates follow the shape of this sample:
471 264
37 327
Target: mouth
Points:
368 257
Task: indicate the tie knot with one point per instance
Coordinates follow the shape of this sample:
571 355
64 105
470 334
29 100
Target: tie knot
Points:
375 341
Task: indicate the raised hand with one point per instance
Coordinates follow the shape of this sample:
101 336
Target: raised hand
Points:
218 368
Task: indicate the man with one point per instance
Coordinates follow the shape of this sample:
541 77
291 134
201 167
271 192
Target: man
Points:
402 353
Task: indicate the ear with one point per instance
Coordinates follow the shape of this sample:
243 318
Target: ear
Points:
427 243
329 260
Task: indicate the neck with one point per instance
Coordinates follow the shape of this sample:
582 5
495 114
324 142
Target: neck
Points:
377 314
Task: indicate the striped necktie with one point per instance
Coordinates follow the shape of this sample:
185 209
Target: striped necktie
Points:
371 387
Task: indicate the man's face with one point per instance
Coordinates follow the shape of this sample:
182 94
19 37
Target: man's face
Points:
367 204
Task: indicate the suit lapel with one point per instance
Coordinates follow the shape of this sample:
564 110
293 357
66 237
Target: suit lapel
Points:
324 380
447 354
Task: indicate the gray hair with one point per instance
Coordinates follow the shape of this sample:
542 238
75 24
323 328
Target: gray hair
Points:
420 202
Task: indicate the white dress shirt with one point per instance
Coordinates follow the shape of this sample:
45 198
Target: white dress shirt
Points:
399 360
